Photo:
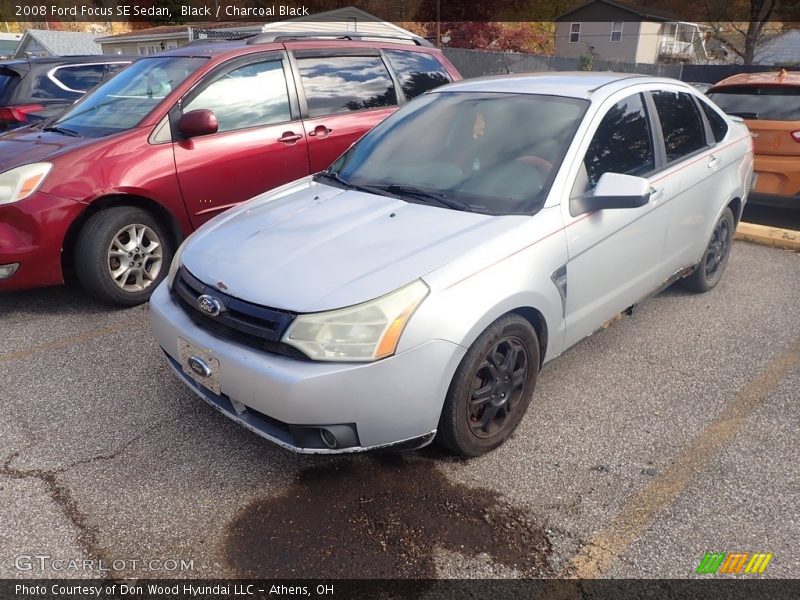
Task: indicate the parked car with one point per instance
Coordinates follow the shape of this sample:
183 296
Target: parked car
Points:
415 289
35 89
769 103
111 186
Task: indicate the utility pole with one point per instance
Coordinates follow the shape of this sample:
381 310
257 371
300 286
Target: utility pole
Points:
438 23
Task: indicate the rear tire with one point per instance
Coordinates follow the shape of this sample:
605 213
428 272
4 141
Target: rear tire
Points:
122 254
491 388
708 271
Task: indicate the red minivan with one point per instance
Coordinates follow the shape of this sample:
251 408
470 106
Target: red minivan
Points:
111 186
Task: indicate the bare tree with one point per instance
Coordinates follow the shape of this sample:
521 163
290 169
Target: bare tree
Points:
742 37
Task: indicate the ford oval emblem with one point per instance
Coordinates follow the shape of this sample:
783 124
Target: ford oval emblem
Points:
199 366
209 305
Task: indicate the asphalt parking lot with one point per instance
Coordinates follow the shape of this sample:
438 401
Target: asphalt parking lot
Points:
670 434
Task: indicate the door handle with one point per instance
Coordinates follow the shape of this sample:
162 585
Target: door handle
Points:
713 162
319 131
289 137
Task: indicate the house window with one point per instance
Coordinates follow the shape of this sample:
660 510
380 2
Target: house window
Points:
574 33
616 31
352 24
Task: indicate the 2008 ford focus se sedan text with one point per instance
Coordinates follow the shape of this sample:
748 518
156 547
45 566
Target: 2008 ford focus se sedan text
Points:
414 289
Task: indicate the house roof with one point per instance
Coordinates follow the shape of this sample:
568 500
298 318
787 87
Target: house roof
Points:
63 43
182 31
644 13
162 32
338 15
781 48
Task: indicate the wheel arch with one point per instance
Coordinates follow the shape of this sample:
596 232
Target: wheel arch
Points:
539 324
532 312
156 209
736 208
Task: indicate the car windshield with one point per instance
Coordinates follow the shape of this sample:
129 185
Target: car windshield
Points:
493 153
125 99
768 102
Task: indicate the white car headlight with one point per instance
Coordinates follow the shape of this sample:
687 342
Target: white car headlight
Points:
17 184
363 332
175 265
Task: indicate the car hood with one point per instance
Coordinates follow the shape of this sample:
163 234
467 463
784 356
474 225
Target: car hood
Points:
313 247
28 145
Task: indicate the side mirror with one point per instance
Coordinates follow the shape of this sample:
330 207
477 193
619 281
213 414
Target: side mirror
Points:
198 122
614 190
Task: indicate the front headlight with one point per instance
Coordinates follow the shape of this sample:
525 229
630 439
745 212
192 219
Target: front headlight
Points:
175 265
363 332
17 184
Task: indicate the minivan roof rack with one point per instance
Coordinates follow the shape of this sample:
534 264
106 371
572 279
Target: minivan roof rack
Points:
285 36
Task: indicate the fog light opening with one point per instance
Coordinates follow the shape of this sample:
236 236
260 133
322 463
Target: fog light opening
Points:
7 271
328 439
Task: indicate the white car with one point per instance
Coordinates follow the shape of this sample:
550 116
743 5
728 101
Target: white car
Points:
415 288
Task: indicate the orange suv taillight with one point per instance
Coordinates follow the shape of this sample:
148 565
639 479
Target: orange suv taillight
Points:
796 136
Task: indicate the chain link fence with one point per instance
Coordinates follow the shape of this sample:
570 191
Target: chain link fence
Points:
233 33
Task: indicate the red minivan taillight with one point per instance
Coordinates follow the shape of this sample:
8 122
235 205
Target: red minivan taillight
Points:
18 114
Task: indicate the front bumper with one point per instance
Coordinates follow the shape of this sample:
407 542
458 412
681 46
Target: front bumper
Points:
32 232
394 401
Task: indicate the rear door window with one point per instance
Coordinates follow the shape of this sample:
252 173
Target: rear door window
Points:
718 125
418 72
341 84
79 78
767 102
681 124
113 68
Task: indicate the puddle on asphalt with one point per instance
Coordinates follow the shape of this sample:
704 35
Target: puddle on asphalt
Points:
379 517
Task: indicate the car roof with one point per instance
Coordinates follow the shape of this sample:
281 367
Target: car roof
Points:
577 84
764 78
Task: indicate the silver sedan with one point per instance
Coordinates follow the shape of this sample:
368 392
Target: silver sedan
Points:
415 289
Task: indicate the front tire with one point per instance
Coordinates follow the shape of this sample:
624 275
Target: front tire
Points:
491 388
708 272
122 254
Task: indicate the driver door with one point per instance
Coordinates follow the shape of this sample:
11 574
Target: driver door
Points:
615 255
260 143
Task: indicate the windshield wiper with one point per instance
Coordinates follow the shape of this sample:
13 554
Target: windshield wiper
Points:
62 131
407 190
334 176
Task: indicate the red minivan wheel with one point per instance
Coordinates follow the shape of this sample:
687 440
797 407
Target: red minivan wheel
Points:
122 254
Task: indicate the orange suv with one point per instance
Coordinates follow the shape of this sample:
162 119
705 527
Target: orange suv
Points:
769 103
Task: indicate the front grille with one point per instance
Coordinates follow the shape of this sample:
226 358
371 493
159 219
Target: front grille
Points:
241 322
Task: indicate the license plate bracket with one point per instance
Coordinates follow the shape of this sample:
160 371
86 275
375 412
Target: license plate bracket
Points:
200 365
